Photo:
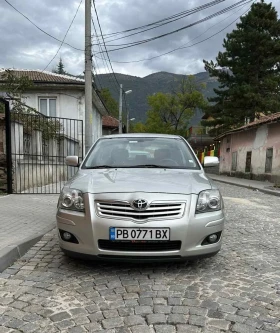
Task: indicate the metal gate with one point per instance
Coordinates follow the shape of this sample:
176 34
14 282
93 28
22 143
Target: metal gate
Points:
5 151
39 145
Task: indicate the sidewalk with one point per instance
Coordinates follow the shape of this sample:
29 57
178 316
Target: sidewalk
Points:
265 187
24 219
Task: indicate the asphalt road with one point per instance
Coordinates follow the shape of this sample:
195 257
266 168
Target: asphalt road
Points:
236 291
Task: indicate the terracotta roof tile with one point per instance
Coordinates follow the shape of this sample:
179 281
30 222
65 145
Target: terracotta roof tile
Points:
38 76
263 120
108 121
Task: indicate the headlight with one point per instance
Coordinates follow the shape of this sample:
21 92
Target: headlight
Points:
209 201
72 200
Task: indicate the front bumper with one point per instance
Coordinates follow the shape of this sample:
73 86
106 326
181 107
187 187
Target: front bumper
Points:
191 229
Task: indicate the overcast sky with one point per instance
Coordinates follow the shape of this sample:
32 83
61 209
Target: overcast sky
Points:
23 46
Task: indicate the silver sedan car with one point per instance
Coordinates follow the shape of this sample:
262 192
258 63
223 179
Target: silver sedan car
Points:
140 197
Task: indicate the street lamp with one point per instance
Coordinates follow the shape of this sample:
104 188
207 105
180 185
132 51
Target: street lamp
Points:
120 106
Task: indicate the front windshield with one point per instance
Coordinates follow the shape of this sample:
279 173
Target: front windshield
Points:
149 152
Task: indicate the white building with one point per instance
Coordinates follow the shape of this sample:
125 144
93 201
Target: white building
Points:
63 96
40 144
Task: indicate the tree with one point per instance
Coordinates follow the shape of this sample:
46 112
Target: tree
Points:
60 68
15 87
170 113
110 102
248 70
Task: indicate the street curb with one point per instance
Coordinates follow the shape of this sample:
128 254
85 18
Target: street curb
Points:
12 252
277 194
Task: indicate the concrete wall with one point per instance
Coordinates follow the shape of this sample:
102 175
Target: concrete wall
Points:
257 141
30 175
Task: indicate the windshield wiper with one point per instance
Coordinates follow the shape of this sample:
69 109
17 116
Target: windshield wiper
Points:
129 166
150 166
101 167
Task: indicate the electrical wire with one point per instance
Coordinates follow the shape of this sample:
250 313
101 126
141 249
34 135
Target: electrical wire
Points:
93 1
179 17
158 22
105 63
116 80
132 44
184 47
96 62
35 25
62 42
95 75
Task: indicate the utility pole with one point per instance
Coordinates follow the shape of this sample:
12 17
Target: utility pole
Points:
120 109
88 78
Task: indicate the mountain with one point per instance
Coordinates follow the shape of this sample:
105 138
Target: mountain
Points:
148 85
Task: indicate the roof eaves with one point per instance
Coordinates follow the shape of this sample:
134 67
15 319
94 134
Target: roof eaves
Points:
269 120
61 76
58 83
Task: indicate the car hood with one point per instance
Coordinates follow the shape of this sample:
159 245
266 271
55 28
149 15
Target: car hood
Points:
140 180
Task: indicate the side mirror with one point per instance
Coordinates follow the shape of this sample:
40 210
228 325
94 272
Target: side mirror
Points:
72 161
210 161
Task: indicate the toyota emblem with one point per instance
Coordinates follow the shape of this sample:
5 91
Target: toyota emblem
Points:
140 204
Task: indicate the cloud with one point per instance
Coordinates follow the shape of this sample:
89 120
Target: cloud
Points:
24 46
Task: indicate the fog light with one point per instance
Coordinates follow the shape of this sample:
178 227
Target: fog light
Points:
212 238
66 236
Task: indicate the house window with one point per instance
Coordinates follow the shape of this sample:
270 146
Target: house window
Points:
268 160
234 161
47 106
248 161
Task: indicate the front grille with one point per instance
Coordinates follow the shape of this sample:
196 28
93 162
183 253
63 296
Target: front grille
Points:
149 246
156 210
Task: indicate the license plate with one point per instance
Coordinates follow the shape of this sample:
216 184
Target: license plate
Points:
146 234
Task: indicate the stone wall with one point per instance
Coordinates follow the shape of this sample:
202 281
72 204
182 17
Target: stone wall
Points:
3 165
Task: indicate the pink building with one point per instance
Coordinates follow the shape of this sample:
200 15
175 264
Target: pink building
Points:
252 151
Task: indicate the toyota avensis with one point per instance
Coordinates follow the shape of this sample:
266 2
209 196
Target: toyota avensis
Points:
140 197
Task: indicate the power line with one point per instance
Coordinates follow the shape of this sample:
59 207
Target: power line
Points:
132 44
104 43
105 63
160 21
184 47
35 25
64 36
168 20
95 75
96 62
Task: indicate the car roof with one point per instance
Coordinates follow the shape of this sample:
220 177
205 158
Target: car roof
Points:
142 135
